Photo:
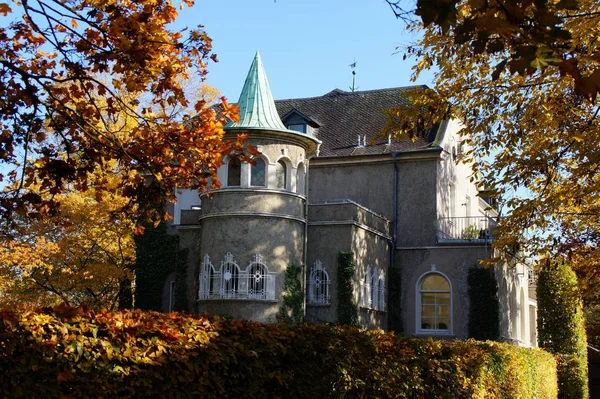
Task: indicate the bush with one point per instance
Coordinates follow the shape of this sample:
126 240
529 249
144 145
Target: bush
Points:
78 353
561 327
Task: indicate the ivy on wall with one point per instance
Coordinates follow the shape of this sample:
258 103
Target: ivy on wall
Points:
291 309
157 256
394 295
347 309
484 311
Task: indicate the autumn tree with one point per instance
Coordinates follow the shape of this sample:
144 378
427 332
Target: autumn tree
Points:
523 78
56 111
84 256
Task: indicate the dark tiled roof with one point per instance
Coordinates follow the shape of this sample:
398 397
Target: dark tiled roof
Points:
343 116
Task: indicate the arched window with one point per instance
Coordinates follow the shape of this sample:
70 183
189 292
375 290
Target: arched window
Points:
230 277
381 291
300 179
434 304
257 281
523 310
234 172
366 294
281 175
318 284
209 280
258 173
514 313
375 288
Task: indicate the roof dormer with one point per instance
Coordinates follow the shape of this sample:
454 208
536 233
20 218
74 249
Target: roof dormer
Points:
299 122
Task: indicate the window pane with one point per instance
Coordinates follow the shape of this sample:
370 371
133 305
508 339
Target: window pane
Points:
257 173
443 310
443 299
427 323
435 282
234 172
427 299
281 175
428 310
443 323
298 128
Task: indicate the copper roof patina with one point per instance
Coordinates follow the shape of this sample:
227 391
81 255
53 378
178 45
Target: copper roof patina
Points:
256 105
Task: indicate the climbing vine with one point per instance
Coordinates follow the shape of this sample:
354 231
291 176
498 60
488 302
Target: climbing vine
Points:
394 295
291 309
484 312
157 256
347 309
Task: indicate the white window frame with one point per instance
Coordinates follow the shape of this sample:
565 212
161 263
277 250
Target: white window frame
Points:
225 181
301 179
418 329
288 173
366 289
250 167
318 283
230 282
381 305
374 302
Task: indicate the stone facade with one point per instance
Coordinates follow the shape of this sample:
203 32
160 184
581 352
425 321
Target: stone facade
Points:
407 207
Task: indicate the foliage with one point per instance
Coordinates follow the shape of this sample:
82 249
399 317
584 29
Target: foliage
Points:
470 232
121 354
561 329
484 312
572 371
157 256
522 78
524 36
83 257
68 70
347 308
291 309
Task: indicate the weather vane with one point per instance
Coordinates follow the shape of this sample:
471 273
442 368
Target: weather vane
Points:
353 66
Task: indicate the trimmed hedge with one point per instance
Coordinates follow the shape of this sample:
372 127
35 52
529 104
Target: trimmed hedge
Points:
561 327
78 353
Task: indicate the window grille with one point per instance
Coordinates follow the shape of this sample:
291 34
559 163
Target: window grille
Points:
230 282
209 279
258 173
230 277
318 284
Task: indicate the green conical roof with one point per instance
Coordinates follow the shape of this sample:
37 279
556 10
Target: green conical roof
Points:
256 105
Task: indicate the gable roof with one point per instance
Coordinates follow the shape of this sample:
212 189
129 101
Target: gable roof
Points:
342 116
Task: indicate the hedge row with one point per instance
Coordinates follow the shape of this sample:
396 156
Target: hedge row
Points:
78 353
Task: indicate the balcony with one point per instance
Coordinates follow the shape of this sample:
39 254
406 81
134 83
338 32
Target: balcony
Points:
472 229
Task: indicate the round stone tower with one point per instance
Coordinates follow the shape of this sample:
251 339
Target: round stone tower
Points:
254 226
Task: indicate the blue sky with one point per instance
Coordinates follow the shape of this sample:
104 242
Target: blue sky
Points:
306 45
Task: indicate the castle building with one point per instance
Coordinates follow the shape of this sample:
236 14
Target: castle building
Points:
325 183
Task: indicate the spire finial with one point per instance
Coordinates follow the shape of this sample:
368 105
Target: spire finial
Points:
353 66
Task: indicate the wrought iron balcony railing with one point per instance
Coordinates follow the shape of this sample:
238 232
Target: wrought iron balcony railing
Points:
471 228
